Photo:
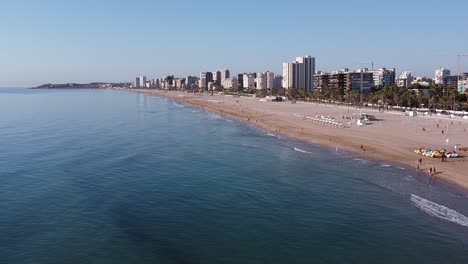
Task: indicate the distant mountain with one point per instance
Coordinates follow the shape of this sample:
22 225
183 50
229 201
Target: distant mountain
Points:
96 85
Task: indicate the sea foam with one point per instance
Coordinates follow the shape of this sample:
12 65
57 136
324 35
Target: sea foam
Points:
302 151
439 211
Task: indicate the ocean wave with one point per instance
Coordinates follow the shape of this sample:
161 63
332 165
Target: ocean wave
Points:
439 211
271 135
178 105
361 161
302 151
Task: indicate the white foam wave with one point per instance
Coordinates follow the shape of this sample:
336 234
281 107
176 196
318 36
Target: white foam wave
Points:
302 151
385 165
361 161
178 105
271 135
439 211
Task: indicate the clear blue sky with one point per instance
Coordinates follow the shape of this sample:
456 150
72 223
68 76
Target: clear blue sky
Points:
98 40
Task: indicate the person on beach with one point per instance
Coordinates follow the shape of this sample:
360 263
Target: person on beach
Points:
417 169
434 171
430 170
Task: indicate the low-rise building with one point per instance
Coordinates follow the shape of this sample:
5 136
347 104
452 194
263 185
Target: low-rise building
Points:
423 81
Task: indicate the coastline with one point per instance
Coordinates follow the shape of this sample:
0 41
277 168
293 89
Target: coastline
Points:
390 150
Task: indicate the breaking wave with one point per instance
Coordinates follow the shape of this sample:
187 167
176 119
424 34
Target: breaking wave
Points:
302 151
439 211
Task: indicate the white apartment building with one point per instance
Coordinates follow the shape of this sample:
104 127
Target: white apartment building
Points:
142 81
261 81
299 74
230 84
440 74
405 79
423 81
270 80
384 77
249 81
290 75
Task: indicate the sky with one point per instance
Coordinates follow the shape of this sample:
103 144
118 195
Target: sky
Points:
59 41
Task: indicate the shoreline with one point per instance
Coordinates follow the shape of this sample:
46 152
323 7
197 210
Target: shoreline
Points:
321 135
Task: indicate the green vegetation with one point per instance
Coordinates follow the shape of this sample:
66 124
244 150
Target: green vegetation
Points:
416 96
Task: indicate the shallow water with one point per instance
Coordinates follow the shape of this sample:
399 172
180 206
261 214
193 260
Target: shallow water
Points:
104 176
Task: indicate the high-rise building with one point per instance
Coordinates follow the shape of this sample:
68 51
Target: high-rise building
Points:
270 80
137 82
249 81
440 74
299 74
261 81
360 80
451 82
384 77
240 80
265 80
278 84
230 84
191 80
225 74
217 77
142 81
291 75
205 79
405 79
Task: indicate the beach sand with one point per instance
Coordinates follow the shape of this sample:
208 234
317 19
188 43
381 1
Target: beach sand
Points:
394 137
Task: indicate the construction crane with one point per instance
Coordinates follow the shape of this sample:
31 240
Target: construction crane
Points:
462 86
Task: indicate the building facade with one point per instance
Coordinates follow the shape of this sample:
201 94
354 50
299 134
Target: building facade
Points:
278 84
225 74
440 74
249 81
405 79
270 80
205 79
261 81
299 74
230 84
384 77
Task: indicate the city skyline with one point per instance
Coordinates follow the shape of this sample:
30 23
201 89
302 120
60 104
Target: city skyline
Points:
87 41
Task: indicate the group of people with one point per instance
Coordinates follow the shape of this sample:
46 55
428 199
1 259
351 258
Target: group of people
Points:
432 170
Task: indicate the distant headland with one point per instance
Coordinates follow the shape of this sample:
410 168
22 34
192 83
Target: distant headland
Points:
94 85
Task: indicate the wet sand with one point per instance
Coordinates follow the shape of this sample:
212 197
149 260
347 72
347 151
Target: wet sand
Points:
393 137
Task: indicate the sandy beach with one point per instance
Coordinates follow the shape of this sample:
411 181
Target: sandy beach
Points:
393 137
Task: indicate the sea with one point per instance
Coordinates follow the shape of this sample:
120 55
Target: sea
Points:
111 176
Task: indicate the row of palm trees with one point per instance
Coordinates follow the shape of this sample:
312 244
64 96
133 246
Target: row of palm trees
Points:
416 96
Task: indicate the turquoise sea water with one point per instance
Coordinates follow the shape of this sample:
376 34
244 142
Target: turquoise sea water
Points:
104 176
